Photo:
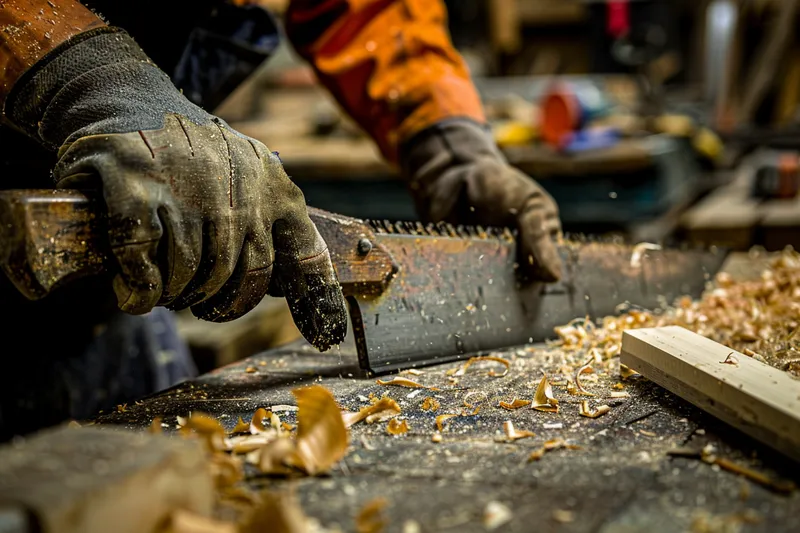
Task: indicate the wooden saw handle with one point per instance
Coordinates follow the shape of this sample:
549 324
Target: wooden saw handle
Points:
50 237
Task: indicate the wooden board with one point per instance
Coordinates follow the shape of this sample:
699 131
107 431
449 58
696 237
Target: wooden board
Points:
91 480
756 398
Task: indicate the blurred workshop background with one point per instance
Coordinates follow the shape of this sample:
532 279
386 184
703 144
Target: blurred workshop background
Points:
668 121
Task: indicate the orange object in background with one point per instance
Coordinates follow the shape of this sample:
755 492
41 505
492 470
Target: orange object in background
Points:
567 107
560 116
389 63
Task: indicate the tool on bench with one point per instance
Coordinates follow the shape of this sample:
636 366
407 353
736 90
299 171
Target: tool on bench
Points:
417 294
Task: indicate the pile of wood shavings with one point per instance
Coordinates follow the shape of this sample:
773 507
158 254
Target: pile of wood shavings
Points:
760 318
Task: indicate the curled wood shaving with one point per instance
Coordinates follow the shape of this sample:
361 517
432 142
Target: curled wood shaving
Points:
413 372
543 399
512 434
468 404
321 434
370 518
396 427
516 404
436 437
430 404
600 411
404 382
321 439
258 424
549 446
585 369
381 410
626 372
244 444
731 360
618 395
441 419
240 427
155 427
472 360
209 429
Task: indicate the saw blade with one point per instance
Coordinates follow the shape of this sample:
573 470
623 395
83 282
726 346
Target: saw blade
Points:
456 292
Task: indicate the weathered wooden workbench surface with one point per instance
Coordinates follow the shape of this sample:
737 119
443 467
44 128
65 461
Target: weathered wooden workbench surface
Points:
621 480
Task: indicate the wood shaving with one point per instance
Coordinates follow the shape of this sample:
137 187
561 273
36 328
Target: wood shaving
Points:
413 372
321 434
707 455
430 404
240 427
258 424
321 439
468 404
626 372
396 427
516 404
436 437
647 433
244 444
277 512
226 470
186 522
495 515
617 395
600 411
618 386
370 518
549 446
379 411
731 360
404 382
472 360
155 427
251 370
543 399
441 419
585 369
513 434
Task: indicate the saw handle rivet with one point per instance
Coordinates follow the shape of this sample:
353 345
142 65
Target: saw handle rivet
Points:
364 246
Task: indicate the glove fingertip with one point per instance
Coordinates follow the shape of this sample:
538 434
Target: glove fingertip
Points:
321 316
135 300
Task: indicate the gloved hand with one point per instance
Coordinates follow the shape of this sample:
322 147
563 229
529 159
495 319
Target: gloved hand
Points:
199 215
457 174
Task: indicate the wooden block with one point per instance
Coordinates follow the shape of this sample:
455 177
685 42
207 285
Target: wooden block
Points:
92 480
756 398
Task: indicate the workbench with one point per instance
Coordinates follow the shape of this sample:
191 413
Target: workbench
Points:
622 478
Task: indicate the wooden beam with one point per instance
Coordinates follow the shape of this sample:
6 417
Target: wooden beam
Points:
759 400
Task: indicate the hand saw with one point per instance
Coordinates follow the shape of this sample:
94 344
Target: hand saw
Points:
417 294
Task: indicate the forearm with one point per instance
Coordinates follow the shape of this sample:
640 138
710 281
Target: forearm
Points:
389 63
29 29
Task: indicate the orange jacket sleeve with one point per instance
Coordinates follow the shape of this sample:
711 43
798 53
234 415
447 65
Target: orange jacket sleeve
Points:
389 63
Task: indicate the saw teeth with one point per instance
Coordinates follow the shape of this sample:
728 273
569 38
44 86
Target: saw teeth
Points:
440 229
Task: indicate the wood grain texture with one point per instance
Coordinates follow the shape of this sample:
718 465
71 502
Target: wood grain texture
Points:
756 398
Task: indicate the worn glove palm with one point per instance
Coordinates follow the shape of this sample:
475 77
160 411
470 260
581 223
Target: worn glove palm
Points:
456 174
199 215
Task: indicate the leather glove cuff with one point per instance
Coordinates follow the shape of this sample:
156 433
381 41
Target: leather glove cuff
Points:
98 82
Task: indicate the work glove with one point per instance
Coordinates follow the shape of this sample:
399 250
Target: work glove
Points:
199 215
457 174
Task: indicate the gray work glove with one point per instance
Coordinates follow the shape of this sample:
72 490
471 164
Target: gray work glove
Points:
457 174
199 215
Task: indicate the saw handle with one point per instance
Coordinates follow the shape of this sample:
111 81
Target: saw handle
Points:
50 237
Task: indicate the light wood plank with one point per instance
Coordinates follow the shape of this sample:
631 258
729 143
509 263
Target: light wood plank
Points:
756 398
